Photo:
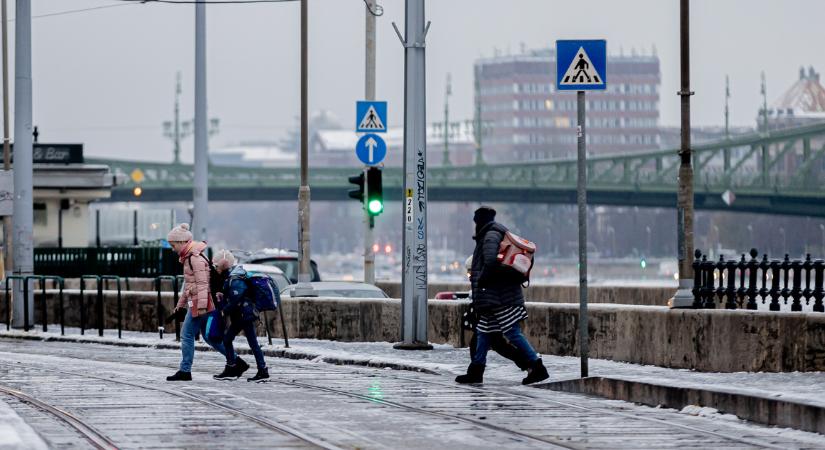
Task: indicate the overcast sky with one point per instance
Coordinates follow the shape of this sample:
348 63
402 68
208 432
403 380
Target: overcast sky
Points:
106 77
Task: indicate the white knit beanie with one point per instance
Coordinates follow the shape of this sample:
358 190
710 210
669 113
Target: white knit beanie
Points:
223 260
180 233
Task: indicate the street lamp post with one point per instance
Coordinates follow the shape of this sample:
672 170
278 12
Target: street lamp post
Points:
684 216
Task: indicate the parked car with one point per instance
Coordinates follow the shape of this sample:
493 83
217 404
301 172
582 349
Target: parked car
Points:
286 260
340 289
273 272
449 295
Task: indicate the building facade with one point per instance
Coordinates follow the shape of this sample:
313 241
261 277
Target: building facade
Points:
527 118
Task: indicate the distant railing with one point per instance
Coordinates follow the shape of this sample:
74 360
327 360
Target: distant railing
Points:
743 283
135 262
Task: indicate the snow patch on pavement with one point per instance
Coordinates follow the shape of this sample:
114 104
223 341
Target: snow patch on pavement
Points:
15 434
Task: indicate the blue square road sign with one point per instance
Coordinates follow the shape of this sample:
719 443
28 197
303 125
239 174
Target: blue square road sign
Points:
581 65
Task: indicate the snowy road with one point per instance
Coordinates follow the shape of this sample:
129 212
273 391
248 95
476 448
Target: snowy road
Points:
122 393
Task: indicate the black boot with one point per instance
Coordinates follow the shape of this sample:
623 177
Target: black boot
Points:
229 373
263 374
180 376
240 366
475 374
537 372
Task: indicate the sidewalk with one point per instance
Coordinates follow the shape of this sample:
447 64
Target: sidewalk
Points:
797 388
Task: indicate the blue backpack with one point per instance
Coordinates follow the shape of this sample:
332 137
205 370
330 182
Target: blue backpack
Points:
263 291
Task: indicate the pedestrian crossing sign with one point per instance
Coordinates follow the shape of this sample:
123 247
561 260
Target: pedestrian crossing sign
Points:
371 117
581 65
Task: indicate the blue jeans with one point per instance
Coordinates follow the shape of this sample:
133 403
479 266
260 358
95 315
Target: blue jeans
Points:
191 327
513 336
248 328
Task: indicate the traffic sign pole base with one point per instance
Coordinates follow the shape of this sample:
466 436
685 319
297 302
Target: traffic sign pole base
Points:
413 346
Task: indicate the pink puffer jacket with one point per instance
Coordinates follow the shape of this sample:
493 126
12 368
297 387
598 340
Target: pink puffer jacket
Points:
196 293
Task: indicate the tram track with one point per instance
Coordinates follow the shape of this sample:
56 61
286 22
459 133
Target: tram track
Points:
95 438
100 441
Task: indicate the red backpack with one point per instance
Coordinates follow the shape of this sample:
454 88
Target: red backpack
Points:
517 254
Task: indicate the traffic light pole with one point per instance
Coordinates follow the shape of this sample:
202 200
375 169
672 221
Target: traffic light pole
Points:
414 281
369 255
304 288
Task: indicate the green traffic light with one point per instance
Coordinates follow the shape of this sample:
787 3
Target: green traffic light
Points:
643 263
375 206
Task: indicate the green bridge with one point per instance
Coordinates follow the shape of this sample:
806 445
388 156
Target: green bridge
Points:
777 172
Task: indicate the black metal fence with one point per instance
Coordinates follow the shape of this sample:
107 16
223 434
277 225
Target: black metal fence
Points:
160 310
135 262
745 283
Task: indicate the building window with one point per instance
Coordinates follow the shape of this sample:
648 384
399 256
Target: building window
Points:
41 216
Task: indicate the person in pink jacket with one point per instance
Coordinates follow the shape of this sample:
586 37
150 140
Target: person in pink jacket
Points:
196 297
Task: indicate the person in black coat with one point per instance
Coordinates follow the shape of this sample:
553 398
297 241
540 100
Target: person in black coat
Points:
498 301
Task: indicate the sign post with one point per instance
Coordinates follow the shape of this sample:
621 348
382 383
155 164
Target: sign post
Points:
582 66
370 117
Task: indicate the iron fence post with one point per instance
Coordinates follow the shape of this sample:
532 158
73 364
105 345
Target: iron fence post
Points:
708 301
786 270
807 267
730 292
796 292
753 267
764 266
741 291
776 274
819 292
44 313
697 282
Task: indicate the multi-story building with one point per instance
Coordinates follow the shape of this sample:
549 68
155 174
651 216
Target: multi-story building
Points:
529 119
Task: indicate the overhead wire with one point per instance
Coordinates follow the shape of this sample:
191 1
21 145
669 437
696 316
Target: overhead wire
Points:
208 2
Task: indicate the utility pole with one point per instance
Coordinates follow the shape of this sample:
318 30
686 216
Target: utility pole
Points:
414 281
177 130
369 94
23 166
764 92
479 132
684 215
201 180
726 152
304 288
727 107
7 220
448 91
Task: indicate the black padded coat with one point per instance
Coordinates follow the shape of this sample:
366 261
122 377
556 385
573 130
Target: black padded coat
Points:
493 287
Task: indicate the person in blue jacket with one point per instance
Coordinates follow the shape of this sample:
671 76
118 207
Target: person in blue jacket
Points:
239 308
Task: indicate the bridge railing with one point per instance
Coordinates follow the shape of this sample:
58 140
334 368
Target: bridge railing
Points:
748 282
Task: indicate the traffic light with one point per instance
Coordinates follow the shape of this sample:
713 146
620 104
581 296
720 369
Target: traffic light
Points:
357 193
375 192
643 263
137 191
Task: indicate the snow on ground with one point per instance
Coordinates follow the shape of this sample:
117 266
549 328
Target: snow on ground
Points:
800 387
15 434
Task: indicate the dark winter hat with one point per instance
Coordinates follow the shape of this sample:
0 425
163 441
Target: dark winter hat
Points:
484 215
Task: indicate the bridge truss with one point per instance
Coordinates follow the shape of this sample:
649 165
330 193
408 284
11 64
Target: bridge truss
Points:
778 172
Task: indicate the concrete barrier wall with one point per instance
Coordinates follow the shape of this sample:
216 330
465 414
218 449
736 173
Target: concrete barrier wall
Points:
626 295
705 340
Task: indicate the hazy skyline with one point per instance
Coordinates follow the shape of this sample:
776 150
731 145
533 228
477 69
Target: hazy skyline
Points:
106 77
